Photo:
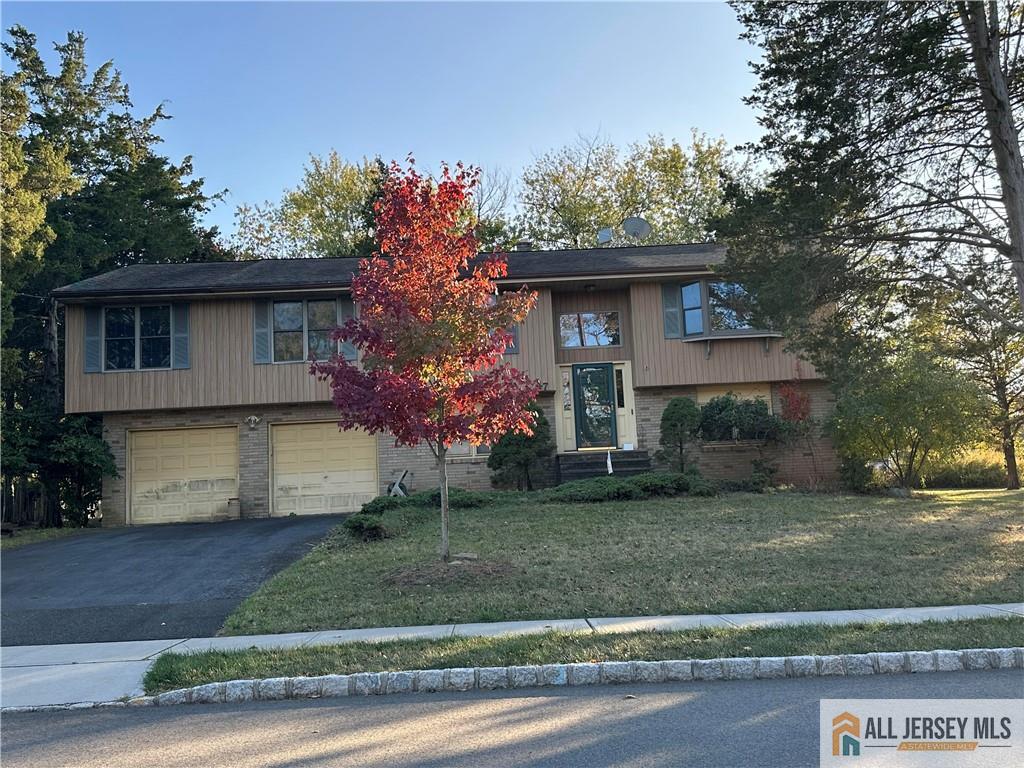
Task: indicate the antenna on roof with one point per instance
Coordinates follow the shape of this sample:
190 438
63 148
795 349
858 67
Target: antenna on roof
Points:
636 227
604 235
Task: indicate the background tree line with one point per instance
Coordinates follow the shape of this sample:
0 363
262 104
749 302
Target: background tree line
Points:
561 200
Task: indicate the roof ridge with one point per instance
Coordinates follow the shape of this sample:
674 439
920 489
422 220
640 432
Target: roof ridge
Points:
268 275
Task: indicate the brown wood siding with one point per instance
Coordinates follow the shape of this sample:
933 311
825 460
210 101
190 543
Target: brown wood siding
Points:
567 302
536 353
661 362
223 374
222 371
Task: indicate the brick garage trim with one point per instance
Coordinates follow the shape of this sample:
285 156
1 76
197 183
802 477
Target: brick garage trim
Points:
254 470
796 463
253 448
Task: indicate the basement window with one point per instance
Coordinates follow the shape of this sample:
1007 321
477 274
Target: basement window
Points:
466 451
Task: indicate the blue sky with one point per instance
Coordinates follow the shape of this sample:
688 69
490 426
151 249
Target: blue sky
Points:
255 87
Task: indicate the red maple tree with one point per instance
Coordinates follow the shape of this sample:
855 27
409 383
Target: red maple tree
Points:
431 326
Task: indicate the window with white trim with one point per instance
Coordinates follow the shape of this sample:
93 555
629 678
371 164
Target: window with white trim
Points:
465 450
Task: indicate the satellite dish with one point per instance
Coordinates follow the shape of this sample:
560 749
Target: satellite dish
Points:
636 227
604 235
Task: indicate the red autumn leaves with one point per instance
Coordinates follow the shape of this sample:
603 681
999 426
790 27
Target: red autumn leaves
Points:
430 324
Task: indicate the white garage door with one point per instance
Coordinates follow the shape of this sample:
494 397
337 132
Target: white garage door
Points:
180 475
319 469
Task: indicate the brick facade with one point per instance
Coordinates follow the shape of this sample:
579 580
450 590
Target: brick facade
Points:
810 466
254 453
813 465
470 474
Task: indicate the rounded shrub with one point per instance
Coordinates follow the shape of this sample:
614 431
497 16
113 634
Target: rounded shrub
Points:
595 489
381 504
366 527
457 498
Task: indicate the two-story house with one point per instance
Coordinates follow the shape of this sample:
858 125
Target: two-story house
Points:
200 372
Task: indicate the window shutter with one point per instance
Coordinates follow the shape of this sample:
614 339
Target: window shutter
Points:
93 346
179 336
671 310
346 311
261 334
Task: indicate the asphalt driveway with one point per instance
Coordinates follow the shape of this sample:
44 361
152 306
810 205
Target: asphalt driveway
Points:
152 582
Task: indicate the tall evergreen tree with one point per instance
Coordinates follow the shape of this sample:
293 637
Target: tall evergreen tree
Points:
110 200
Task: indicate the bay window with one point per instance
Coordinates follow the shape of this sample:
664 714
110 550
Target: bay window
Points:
729 307
704 309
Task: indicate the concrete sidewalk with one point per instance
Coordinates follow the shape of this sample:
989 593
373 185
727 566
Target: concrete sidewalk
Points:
37 675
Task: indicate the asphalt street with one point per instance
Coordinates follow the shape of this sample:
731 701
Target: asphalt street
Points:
150 582
730 724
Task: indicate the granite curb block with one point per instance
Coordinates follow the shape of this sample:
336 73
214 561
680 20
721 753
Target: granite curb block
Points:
561 675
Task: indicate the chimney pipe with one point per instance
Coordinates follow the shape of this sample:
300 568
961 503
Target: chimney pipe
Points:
524 245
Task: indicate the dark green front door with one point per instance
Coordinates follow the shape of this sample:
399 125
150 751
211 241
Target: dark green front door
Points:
594 390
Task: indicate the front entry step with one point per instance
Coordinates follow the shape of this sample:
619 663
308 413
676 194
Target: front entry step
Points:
583 464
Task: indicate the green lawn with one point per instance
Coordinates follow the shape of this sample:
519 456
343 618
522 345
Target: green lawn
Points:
32 535
734 553
182 670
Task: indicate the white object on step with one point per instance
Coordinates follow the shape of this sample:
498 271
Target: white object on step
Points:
610 462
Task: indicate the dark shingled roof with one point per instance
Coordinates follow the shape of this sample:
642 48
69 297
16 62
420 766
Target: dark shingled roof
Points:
291 274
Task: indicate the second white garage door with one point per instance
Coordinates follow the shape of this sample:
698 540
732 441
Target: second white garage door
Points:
318 469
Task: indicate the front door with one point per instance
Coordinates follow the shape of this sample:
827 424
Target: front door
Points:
594 390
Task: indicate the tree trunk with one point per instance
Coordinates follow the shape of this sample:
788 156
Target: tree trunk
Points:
983 34
1010 457
443 470
48 473
51 505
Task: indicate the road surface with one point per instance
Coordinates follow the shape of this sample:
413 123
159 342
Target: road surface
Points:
732 724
